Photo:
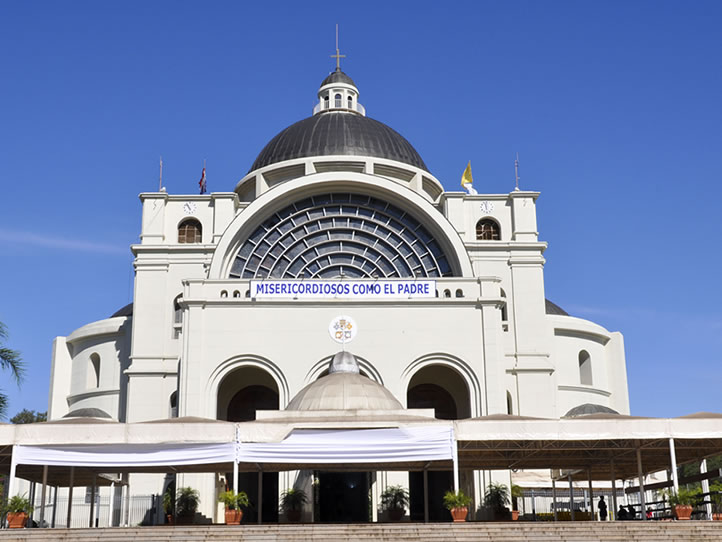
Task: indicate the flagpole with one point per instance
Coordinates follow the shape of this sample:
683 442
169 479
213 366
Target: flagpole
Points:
160 175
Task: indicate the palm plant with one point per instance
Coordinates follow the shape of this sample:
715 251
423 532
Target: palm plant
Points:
496 496
395 498
9 360
186 502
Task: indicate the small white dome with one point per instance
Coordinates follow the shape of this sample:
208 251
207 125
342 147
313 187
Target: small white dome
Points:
344 389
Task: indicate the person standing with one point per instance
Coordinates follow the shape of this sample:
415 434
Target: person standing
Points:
602 507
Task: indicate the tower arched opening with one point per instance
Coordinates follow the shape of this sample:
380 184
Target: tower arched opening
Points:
240 395
443 389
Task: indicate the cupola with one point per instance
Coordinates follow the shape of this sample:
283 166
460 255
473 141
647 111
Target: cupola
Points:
338 92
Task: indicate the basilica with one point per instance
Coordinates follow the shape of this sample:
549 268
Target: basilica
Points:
338 239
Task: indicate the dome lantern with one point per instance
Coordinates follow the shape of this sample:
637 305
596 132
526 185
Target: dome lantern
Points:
338 92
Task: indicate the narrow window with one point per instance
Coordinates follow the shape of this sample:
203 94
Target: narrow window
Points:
325 101
487 230
585 368
459 293
509 405
174 404
447 293
338 101
190 231
350 102
224 294
94 371
177 317
504 313
236 294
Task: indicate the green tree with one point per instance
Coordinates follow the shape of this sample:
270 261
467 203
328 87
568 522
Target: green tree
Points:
10 361
29 416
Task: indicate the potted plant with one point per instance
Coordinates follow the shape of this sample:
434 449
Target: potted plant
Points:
17 510
168 505
186 504
458 504
496 498
682 502
234 502
516 494
292 501
394 501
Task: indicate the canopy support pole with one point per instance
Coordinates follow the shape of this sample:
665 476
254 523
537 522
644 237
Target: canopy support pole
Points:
111 502
93 489
70 498
426 495
235 476
260 497
705 489
554 497
11 477
43 495
613 515
641 484
571 497
126 510
673 461
455 451
55 507
591 494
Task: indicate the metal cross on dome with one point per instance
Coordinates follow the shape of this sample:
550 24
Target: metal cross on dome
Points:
338 56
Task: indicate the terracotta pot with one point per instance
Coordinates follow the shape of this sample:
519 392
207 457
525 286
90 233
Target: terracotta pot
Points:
294 516
514 515
233 517
17 520
459 514
395 514
717 517
683 511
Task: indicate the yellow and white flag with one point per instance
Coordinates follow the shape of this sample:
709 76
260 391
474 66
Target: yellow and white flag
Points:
467 181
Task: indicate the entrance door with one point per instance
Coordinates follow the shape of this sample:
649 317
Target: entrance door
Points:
343 497
439 483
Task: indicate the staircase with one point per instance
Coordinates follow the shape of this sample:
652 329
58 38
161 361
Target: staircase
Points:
677 531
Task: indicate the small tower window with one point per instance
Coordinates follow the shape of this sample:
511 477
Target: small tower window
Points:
350 102
338 101
504 312
177 317
459 293
174 404
325 101
585 368
190 231
487 230
94 371
447 293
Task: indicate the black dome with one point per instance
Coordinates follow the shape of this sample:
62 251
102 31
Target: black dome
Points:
553 308
338 77
338 132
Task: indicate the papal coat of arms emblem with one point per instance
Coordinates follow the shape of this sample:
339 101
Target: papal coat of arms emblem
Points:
342 329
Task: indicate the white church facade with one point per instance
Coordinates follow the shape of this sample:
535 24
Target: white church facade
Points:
338 237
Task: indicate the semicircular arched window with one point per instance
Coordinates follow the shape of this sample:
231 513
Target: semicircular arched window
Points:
190 231
487 230
338 102
333 235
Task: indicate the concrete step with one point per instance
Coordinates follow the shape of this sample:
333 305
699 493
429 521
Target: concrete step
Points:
392 532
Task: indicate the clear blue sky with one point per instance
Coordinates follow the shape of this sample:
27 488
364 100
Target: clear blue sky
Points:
614 108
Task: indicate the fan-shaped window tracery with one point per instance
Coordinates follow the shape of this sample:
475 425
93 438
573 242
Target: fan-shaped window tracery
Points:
331 235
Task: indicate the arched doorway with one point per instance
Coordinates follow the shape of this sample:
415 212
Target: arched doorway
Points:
443 389
240 395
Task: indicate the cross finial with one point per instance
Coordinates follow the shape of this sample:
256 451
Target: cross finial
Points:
338 56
